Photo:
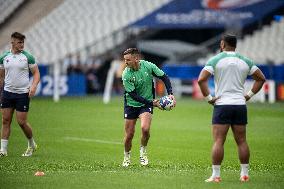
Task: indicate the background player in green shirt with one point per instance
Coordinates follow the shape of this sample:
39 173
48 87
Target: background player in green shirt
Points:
139 99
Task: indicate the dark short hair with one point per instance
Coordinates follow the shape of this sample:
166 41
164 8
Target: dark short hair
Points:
230 40
131 51
18 35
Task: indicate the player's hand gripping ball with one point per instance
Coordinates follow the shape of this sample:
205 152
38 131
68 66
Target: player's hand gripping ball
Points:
166 103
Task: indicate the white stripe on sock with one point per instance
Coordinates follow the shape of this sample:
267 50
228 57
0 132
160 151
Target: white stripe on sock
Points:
216 170
31 142
244 169
4 145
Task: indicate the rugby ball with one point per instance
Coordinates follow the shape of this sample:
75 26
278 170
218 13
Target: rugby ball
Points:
166 103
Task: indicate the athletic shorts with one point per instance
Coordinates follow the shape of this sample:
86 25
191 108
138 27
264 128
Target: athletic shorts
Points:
20 102
134 112
230 114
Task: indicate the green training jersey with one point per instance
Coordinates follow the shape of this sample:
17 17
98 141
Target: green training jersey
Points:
141 81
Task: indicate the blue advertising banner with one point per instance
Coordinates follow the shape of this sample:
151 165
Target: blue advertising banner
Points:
208 13
189 72
72 85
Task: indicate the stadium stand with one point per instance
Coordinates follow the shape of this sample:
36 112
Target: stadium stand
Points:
8 7
263 46
73 26
82 39
24 17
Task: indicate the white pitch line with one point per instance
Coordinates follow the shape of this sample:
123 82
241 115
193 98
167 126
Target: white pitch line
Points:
92 140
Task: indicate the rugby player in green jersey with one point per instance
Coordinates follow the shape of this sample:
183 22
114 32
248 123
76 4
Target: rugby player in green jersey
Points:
139 99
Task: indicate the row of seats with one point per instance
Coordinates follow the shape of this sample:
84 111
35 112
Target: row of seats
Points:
264 46
7 7
74 25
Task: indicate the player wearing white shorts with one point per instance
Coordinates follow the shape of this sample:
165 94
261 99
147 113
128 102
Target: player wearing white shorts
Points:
230 70
14 75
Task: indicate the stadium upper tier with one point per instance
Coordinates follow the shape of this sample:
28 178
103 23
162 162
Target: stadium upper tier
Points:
74 25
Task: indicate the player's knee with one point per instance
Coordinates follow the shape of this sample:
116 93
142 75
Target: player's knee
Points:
22 122
241 141
6 121
220 141
146 132
129 135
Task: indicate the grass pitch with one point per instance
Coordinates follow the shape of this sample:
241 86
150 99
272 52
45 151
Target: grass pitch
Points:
80 146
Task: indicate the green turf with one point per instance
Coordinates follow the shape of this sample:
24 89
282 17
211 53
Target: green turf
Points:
80 146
